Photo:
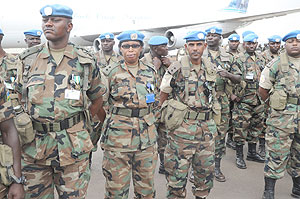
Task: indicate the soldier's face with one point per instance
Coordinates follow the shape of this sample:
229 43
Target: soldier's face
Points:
292 47
161 50
131 51
274 47
233 45
195 49
107 44
213 39
32 40
56 28
250 47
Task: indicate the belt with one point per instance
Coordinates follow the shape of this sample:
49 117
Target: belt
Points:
220 88
293 100
58 126
128 112
193 115
252 85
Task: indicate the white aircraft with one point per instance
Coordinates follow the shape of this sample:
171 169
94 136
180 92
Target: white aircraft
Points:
174 19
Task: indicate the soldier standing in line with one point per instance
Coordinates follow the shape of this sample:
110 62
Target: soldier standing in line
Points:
189 119
228 74
33 37
274 47
56 80
279 86
232 48
129 132
249 109
158 58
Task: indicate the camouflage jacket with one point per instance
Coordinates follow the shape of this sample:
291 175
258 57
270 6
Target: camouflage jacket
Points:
268 56
47 88
102 62
124 132
251 70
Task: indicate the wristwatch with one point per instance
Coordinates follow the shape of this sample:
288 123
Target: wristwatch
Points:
20 180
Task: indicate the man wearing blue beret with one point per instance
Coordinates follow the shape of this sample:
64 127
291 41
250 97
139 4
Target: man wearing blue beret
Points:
279 87
274 47
129 137
33 37
62 91
233 44
228 74
248 115
158 57
190 83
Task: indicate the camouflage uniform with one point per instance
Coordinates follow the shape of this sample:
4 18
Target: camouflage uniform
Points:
129 133
192 143
268 56
58 156
6 112
282 135
248 112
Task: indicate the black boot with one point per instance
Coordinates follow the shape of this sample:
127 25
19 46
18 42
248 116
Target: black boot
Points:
252 155
161 169
199 197
230 143
240 163
262 148
90 159
269 188
296 187
219 176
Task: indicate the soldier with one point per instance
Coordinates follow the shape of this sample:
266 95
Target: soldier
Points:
279 86
248 111
233 44
32 37
228 74
56 81
189 119
11 179
274 47
129 132
157 57
106 55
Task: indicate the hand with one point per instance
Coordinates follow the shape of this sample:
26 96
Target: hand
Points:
156 62
16 191
223 73
166 61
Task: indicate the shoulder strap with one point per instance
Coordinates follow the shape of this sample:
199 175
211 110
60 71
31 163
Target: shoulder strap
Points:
109 68
185 69
284 63
209 70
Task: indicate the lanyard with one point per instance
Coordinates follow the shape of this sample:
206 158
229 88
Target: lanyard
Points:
129 71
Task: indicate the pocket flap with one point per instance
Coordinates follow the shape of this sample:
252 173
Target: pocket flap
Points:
23 119
177 105
36 80
6 156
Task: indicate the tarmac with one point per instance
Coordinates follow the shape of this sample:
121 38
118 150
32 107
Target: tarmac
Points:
240 183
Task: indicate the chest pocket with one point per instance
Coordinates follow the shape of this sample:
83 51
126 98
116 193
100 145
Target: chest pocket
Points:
75 85
36 88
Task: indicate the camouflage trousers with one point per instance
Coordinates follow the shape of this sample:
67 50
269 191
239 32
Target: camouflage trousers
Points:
162 139
220 147
192 144
282 145
230 127
3 191
248 122
119 167
70 181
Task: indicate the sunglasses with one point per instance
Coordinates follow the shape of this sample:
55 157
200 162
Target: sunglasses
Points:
127 46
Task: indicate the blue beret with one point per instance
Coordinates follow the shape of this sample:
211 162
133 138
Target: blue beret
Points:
36 33
131 35
56 10
1 32
234 37
214 29
252 37
247 32
107 35
293 34
158 40
274 38
195 36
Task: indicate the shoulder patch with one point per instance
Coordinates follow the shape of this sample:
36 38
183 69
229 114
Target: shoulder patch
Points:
30 51
174 67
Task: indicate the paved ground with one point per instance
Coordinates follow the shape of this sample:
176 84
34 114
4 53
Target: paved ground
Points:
240 184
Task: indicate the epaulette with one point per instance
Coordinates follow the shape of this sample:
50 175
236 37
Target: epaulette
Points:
109 68
174 67
84 56
270 63
30 51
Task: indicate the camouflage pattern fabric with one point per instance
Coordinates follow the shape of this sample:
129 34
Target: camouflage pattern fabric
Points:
47 85
119 167
268 56
129 135
248 113
103 62
193 142
8 70
282 135
224 61
70 181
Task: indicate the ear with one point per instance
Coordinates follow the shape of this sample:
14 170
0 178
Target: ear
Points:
70 27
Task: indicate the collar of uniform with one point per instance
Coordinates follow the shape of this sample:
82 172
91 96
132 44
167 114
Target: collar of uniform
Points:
69 51
140 65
